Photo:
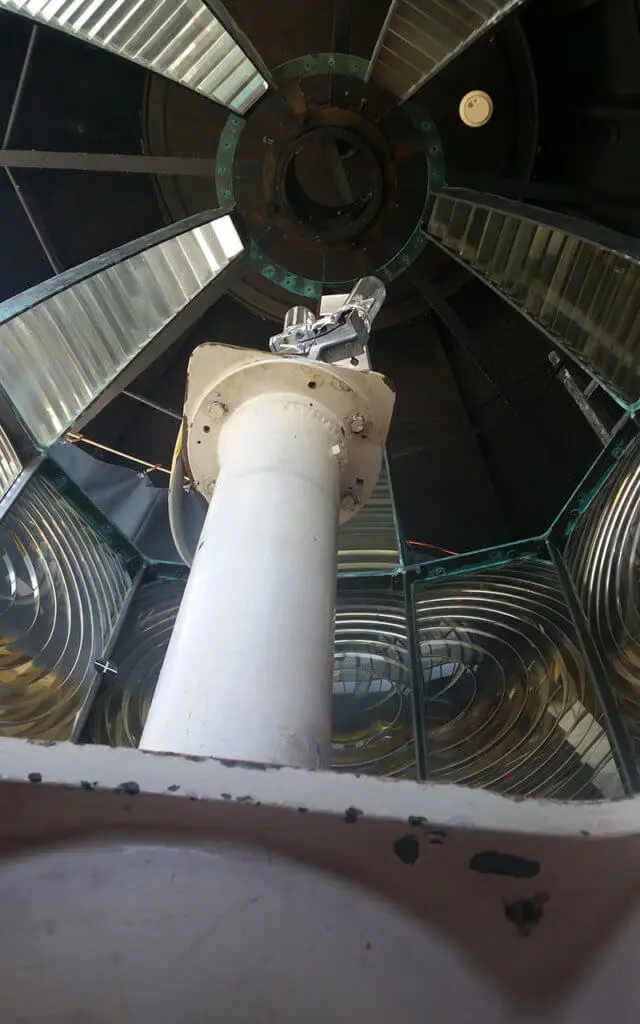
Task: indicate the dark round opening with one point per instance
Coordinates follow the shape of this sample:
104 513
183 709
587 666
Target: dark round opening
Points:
331 183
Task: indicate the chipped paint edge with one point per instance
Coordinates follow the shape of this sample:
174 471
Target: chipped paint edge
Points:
208 779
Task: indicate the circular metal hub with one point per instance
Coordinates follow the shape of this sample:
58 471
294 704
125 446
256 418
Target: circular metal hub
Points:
330 182
314 229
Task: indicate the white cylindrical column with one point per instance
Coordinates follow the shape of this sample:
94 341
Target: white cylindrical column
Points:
249 667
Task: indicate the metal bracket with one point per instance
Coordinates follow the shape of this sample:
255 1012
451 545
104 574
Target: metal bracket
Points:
339 336
105 666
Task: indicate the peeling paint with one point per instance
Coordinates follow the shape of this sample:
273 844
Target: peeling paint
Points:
407 848
525 914
130 788
493 863
351 815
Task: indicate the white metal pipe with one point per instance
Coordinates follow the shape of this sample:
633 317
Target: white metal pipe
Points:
248 671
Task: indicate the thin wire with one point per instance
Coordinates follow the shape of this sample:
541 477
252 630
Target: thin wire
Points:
55 265
13 113
17 96
434 547
153 405
81 439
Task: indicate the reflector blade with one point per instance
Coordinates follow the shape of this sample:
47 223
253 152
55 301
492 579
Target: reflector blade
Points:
10 464
180 39
578 282
420 36
64 342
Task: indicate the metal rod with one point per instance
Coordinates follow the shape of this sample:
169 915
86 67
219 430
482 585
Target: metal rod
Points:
620 741
135 163
341 26
340 34
456 327
81 439
153 405
580 398
17 96
13 113
53 261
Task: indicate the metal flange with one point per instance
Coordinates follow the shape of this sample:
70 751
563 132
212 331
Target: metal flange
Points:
356 406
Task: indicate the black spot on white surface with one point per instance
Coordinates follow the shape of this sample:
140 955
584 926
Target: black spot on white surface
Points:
407 848
525 914
491 862
351 815
130 788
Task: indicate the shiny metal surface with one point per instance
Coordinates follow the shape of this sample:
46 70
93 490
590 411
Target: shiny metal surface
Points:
586 295
61 589
420 36
58 355
604 560
180 39
509 704
369 542
10 465
372 717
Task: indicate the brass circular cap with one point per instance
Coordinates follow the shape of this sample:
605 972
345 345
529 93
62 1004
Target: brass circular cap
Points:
476 108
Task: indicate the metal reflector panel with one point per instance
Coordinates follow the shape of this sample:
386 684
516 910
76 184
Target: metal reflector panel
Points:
585 294
420 36
604 559
63 342
369 541
10 465
372 708
180 39
61 590
509 703
372 698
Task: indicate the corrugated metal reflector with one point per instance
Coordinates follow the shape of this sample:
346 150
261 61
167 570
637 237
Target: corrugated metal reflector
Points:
63 342
420 36
180 39
585 295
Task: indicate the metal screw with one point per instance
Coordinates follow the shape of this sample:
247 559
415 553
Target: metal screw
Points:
216 411
356 424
